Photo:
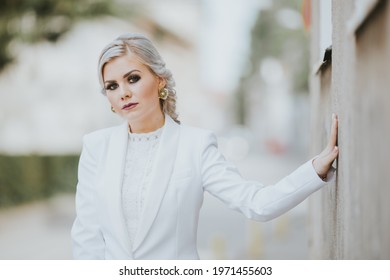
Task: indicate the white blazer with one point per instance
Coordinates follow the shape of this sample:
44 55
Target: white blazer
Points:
187 163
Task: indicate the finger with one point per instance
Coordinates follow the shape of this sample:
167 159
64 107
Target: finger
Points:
333 132
329 158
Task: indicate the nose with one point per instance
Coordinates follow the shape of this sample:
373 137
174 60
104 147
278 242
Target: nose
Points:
126 93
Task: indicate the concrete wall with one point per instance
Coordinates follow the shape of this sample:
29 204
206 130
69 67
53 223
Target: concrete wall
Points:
350 219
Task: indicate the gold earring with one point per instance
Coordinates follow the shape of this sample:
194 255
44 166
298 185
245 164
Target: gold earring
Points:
163 93
112 109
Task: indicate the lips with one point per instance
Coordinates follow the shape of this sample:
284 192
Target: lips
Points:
129 106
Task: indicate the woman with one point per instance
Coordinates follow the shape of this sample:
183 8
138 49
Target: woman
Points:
141 184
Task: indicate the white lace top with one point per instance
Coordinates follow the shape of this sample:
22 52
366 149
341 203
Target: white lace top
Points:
141 150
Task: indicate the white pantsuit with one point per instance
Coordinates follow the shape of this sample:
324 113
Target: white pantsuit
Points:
187 163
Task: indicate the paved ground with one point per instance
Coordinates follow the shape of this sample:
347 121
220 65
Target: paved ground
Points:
41 230
38 230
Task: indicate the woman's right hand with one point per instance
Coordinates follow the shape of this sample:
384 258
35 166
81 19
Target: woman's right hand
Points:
324 160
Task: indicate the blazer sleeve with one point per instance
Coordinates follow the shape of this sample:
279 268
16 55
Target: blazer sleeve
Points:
87 240
256 201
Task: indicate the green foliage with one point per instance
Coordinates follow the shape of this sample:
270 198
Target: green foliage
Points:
36 20
26 178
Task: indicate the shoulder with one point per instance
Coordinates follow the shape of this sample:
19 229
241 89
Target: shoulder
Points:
188 130
198 136
100 137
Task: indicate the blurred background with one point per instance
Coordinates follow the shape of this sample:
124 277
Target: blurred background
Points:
241 69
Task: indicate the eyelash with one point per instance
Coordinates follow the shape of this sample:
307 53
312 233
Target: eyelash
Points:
131 79
110 86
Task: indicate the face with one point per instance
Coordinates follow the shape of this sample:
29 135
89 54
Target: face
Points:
132 89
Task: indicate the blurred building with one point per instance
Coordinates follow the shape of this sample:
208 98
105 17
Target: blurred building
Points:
50 97
349 219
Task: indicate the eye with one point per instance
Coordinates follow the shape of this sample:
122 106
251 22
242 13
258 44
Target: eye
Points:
111 86
133 79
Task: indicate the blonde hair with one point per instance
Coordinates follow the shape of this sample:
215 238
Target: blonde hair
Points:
142 47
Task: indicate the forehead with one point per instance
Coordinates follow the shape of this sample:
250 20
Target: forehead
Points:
121 65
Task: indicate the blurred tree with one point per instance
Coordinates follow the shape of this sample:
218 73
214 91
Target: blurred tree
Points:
274 36
36 20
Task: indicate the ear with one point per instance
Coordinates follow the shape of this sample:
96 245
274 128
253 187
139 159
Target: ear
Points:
161 83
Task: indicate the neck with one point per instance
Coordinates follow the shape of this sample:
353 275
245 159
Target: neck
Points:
149 125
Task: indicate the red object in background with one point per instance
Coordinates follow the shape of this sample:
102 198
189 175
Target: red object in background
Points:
275 146
306 14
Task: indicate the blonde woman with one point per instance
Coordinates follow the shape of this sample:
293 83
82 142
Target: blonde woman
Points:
141 184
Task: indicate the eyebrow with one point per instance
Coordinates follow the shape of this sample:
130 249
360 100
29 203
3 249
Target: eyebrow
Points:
124 76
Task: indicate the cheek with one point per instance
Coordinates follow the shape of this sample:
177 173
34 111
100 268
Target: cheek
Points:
110 98
150 91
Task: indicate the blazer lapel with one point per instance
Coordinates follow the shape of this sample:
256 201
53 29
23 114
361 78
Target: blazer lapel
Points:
116 156
161 174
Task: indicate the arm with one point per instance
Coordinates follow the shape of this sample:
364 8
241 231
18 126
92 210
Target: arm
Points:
88 242
254 200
